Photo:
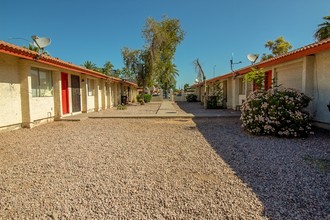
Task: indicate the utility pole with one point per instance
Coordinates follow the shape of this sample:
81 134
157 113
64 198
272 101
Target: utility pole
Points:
204 80
214 70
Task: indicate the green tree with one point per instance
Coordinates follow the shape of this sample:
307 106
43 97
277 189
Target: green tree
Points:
116 73
162 39
131 58
144 74
277 47
90 65
107 68
137 65
185 87
167 77
323 30
33 48
256 76
36 49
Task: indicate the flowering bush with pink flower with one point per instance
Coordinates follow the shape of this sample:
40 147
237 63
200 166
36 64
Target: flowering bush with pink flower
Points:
278 111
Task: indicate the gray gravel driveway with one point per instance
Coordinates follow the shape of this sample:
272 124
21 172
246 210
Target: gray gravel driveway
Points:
159 169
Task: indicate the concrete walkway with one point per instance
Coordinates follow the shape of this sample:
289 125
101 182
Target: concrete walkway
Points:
166 109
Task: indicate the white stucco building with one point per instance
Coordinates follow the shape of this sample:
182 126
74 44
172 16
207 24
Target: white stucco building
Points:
306 69
45 89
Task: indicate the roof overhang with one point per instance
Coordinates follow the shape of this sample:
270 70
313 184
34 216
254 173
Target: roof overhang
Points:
27 54
308 50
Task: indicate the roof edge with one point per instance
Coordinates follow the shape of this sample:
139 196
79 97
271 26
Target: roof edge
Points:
21 52
307 50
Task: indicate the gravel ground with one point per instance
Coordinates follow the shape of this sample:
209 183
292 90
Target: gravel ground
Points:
160 169
291 177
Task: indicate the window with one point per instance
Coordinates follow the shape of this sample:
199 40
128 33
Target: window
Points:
249 87
90 85
41 83
241 86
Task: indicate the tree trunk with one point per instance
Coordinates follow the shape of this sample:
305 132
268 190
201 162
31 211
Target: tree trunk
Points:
165 88
143 91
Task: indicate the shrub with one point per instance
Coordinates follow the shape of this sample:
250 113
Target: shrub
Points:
147 98
121 107
191 98
278 112
212 102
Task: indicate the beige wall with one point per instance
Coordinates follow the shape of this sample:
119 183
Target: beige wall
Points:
90 103
99 86
10 91
118 93
41 108
107 95
197 92
20 109
322 87
290 74
112 94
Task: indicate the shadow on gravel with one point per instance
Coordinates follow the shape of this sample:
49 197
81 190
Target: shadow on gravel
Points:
279 171
197 109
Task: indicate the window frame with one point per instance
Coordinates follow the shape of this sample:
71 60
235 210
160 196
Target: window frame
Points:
37 79
241 86
90 87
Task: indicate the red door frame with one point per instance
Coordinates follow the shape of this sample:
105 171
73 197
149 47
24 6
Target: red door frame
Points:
65 93
268 80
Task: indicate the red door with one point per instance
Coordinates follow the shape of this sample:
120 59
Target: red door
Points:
65 93
268 80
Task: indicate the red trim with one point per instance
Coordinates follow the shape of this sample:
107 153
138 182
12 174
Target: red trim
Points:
65 93
268 80
295 54
24 53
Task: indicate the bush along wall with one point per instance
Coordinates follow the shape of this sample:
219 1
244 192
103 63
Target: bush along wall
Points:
191 98
147 98
278 111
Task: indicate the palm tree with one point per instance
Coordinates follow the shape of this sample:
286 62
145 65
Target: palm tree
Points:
89 65
324 29
37 49
107 68
167 76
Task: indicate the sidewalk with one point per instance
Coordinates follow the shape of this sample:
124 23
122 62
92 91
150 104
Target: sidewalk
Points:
164 109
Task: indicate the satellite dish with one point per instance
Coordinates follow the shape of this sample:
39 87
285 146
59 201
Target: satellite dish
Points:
252 57
196 81
40 42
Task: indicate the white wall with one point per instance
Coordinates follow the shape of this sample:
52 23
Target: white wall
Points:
322 87
41 108
112 94
290 75
90 103
10 97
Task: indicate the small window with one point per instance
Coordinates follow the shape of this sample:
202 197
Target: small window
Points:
41 83
241 86
249 88
90 85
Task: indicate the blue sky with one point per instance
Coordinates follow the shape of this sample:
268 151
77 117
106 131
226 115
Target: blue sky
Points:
97 30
